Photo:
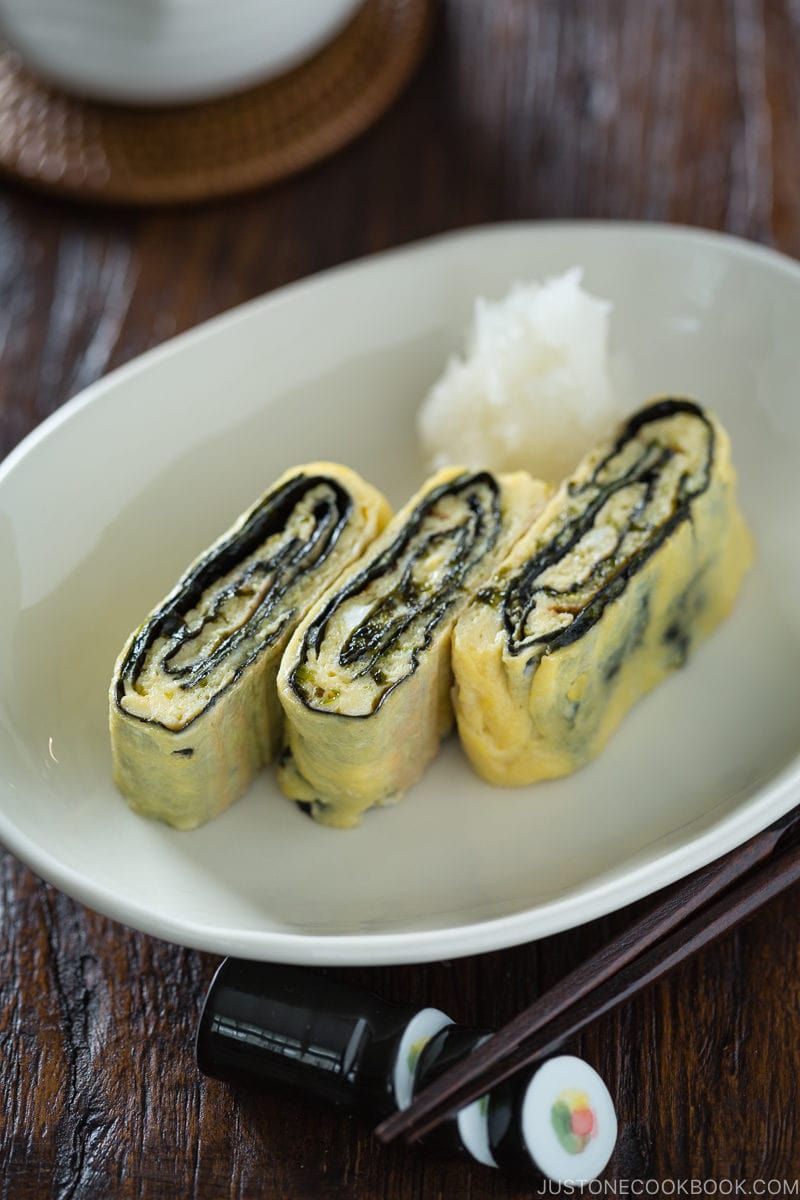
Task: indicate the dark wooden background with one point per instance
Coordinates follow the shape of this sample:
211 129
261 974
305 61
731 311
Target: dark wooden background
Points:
677 110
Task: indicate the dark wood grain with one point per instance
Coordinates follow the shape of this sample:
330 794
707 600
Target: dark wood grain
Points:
682 110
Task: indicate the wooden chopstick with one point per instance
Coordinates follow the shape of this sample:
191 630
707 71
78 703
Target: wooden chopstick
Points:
638 956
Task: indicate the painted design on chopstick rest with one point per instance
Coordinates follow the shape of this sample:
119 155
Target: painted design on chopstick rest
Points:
574 1120
423 1026
414 1052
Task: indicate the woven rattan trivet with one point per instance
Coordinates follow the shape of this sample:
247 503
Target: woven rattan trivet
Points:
172 155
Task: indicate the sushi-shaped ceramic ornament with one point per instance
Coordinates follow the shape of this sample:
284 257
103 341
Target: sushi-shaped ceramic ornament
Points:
366 679
558 1121
193 705
636 558
266 1025
555 1120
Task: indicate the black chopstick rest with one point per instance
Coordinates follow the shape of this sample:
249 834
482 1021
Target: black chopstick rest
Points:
265 1023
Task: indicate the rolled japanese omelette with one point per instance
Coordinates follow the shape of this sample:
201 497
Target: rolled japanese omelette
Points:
634 560
365 682
193 705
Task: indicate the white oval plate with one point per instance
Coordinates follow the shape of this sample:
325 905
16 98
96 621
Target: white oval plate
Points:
104 504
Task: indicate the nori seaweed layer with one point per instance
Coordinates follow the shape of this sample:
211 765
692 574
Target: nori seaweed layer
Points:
291 560
519 597
390 618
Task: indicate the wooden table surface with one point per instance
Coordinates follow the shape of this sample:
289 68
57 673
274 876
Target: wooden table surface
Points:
674 110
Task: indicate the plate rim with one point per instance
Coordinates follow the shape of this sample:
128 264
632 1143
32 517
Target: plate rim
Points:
586 901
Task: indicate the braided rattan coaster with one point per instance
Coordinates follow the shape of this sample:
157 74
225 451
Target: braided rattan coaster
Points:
171 155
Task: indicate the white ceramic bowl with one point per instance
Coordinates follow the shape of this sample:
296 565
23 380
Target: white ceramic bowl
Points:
104 505
167 51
